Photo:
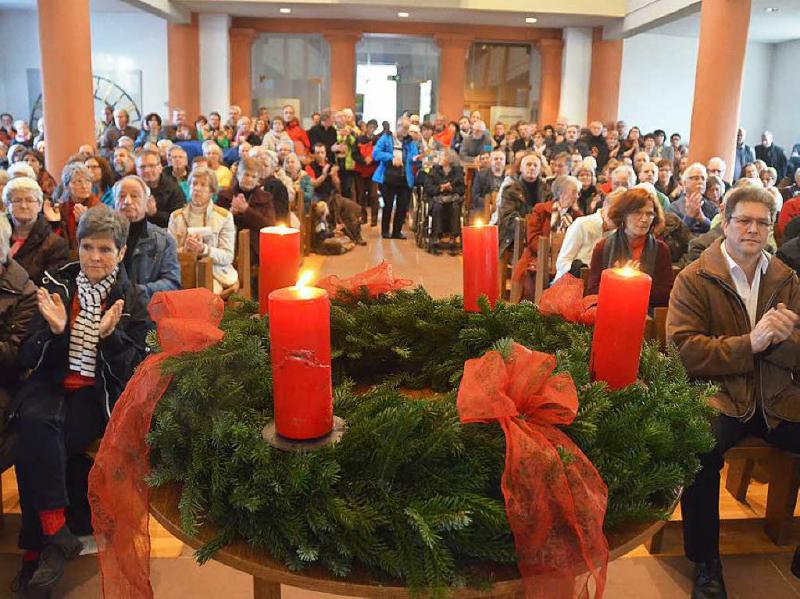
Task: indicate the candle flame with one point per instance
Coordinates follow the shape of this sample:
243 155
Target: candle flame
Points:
629 269
305 278
478 223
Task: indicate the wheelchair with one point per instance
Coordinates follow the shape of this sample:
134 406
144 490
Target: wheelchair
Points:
423 227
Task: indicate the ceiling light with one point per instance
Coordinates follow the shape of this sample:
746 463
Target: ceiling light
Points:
531 20
285 11
402 15
771 9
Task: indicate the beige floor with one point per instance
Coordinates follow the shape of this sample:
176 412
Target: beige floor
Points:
755 568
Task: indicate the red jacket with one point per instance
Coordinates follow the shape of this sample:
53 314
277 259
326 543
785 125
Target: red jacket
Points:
298 135
791 208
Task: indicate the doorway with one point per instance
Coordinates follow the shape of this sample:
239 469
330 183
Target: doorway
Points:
376 84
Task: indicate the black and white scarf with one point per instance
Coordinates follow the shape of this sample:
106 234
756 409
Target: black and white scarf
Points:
86 329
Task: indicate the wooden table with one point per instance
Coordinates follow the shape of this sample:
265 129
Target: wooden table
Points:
269 574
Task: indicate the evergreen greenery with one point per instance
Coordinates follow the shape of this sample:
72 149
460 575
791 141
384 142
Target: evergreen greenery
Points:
408 493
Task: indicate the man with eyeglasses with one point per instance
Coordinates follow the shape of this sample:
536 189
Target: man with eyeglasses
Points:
165 195
693 209
733 315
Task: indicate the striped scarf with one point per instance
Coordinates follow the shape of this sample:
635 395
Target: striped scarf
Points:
86 329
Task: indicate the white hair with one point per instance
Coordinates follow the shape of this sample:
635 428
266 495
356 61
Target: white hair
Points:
22 184
695 166
5 238
21 169
210 146
629 173
136 179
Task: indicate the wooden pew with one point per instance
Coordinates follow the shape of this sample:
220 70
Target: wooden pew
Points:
243 266
195 272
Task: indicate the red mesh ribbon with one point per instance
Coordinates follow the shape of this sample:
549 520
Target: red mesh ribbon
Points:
555 498
565 298
378 280
120 498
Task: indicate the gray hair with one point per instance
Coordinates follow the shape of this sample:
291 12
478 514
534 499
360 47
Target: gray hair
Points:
211 146
561 182
5 238
70 171
21 169
695 166
137 179
101 221
204 171
22 184
716 181
629 173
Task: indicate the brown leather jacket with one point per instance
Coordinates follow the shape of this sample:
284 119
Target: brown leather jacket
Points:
708 323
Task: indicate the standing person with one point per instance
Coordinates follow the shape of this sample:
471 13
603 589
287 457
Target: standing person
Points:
771 154
733 316
366 188
151 131
165 195
179 130
83 346
120 128
744 154
277 134
324 174
394 153
302 145
324 133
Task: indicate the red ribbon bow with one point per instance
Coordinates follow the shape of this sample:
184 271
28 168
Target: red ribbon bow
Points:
378 280
120 498
555 498
565 298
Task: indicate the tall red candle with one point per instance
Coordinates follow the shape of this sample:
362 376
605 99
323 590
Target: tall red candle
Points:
278 261
619 326
300 350
480 265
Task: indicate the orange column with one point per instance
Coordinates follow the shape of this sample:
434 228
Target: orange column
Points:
605 78
183 68
67 87
453 73
550 92
241 71
343 68
718 79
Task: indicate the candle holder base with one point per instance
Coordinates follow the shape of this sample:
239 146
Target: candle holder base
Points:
271 436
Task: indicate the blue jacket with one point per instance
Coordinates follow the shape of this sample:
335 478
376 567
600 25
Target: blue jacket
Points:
383 152
154 265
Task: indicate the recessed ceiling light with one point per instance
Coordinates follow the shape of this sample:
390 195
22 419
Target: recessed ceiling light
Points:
771 9
402 15
531 19
285 11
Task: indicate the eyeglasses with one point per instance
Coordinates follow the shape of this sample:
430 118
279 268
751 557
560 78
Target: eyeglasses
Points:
20 201
640 214
745 223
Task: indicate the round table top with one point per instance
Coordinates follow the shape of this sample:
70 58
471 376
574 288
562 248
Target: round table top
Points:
241 556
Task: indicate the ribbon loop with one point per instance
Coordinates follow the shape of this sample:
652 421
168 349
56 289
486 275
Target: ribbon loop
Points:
565 298
377 280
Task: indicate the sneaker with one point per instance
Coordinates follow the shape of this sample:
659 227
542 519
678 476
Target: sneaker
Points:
57 551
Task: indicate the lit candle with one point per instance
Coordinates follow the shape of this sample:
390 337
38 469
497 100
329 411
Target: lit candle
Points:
480 265
278 261
619 326
300 350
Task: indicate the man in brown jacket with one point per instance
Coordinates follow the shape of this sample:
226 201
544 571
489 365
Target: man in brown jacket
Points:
733 316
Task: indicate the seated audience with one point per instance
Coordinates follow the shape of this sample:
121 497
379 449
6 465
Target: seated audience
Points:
794 189
733 317
695 211
302 182
151 131
151 258
17 306
278 185
34 245
123 163
769 177
649 174
180 129
82 347
120 128
213 153
165 195
476 143
178 168
551 220
203 229
444 191
276 135
582 235
637 214
789 251
251 206
487 181
589 198
77 198
534 191
102 178
45 180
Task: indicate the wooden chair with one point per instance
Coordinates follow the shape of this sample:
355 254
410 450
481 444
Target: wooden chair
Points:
512 290
243 266
195 272
489 205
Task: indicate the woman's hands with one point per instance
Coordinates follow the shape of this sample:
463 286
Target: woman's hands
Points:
52 309
111 318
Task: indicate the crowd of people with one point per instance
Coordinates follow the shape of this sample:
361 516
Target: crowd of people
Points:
83 252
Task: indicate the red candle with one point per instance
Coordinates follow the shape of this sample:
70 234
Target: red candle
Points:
278 261
480 265
300 350
619 326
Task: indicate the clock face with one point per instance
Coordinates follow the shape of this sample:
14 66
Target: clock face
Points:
106 94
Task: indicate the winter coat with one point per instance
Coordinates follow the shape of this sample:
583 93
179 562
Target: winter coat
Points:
118 355
437 177
154 265
709 324
43 250
169 198
383 152
259 214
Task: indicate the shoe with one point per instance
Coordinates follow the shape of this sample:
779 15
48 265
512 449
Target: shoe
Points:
360 242
708 581
373 223
398 236
23 577
386 236
434 249
796 562
57 551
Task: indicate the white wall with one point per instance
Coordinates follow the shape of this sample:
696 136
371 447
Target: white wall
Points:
576 65
215 73
128 41
783 117
657 83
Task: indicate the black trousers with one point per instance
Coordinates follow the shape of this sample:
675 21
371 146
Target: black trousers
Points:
397 197
445 218
700 501
54 429
367 197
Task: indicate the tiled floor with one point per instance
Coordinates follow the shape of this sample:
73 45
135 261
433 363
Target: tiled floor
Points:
754 567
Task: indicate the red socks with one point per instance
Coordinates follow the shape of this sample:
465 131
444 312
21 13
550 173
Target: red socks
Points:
31 555
52 521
